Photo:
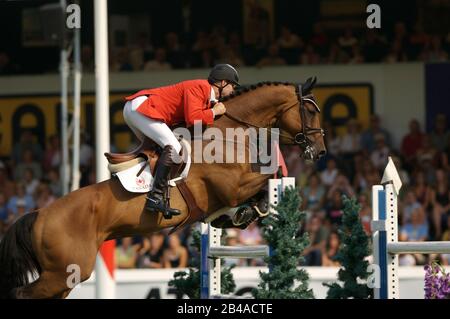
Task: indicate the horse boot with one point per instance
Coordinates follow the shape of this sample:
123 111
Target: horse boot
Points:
156 198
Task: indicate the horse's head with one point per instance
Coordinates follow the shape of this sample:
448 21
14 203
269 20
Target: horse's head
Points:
300 123
276 104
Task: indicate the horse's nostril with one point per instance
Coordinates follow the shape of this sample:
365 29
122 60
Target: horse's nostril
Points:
322 153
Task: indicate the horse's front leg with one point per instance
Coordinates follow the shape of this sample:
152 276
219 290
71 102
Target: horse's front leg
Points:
235 188
250 185
244 189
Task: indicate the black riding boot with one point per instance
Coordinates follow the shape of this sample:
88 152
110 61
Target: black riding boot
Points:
156 198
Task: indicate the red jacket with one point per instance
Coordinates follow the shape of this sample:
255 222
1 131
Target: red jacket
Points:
186 101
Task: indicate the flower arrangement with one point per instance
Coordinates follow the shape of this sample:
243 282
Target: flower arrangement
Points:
437 282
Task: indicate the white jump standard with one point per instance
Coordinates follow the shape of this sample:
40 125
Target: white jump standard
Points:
386 246
212 250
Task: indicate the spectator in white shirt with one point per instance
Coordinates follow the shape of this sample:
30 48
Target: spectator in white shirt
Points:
31 183
328 176
332 141
351 141
379 156
350 145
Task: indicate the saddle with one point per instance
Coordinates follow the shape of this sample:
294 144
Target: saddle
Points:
147 149
149 152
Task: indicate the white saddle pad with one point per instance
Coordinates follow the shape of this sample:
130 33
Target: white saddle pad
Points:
143 183
133 183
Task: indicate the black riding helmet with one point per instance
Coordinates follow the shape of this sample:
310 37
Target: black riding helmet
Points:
223 72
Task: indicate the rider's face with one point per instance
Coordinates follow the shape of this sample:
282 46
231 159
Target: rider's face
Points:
228 88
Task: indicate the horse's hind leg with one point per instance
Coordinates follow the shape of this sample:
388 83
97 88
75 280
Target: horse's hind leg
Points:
48 285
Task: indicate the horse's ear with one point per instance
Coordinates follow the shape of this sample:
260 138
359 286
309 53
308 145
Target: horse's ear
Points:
309 85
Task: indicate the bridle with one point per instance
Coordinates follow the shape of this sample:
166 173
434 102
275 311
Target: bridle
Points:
301 138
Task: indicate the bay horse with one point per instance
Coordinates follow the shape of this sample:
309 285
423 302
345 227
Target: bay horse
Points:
71 229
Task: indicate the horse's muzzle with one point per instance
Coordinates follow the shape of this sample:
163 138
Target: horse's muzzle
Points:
310 153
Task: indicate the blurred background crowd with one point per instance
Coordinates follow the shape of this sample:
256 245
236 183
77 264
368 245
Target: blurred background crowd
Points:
355 161
219 45
246 33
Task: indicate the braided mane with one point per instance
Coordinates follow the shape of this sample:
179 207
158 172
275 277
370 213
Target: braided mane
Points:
248 88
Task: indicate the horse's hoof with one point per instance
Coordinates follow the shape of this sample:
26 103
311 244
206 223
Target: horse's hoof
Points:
222 222
244 216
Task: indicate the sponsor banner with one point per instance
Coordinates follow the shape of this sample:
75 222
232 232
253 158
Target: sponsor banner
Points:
41 114
342 102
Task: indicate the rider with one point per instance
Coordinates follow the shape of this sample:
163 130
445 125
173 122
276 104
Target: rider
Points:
151 112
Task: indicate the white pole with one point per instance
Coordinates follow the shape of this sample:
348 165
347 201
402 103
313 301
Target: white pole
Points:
64 71
413 247
239 251
76 112
105 286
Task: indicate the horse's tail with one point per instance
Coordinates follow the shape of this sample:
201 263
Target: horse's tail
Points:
17 258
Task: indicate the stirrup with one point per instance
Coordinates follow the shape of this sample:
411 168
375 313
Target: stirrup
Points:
159 205
169 212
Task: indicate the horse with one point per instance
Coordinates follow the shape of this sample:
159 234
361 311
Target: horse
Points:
71 230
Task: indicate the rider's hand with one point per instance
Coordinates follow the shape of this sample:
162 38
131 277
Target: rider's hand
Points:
219 108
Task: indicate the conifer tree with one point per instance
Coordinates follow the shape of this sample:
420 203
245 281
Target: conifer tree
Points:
280 230
352 257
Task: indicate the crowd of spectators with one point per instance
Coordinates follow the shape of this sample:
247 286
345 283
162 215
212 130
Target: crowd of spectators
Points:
30 180
355 162
289 48
219 45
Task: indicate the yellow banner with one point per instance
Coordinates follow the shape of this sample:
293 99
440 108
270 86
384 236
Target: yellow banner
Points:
41 114
339 103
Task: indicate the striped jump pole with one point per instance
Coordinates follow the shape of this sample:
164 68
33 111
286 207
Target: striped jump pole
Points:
386 246
105 284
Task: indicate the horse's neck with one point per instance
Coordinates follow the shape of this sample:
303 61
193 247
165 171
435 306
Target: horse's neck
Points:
260 106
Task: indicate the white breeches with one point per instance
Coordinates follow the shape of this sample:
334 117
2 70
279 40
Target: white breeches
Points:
142 125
